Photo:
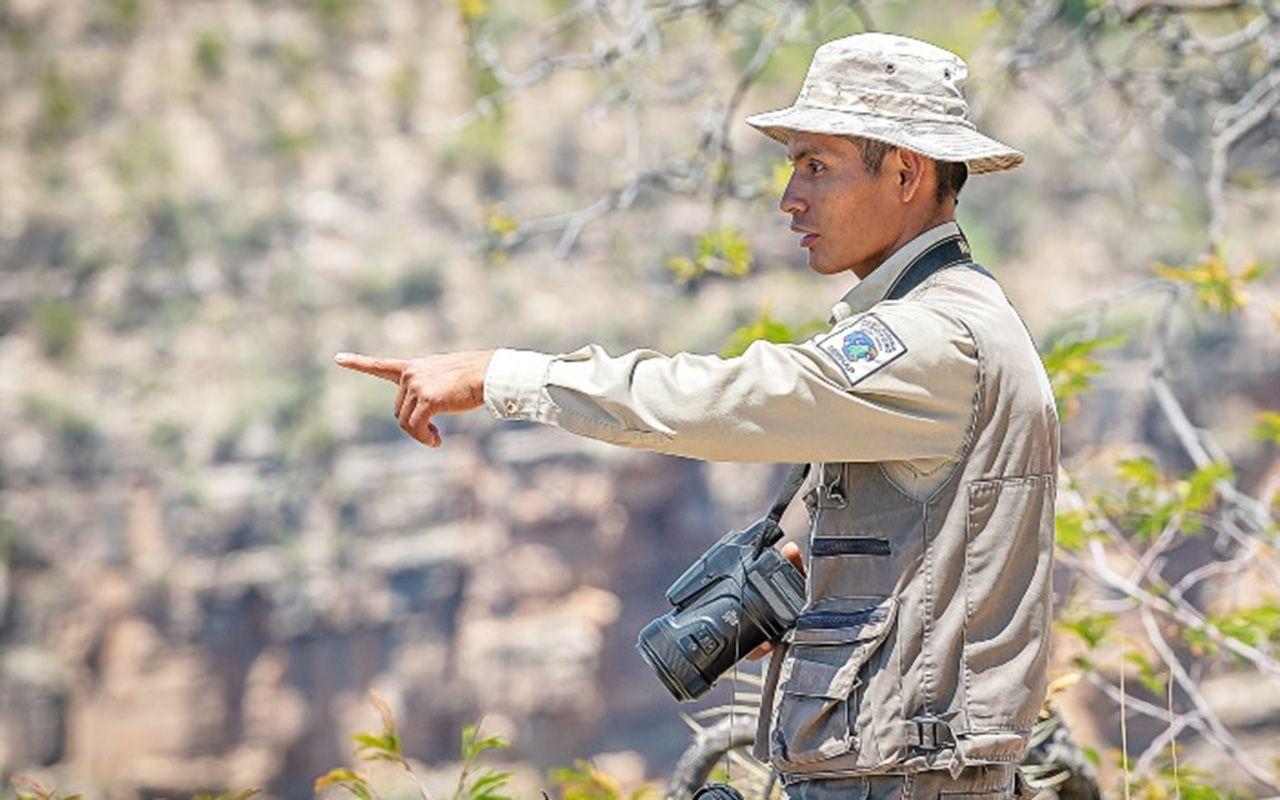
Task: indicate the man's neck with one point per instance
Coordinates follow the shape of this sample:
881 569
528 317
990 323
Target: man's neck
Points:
908 232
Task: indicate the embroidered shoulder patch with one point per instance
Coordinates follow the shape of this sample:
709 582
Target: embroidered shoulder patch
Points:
862 348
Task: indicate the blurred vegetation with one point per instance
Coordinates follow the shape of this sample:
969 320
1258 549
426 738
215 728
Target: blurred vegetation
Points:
199 207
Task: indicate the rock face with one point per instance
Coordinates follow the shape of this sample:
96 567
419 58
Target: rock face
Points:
503 576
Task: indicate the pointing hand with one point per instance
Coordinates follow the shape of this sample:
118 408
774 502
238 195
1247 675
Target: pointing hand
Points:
448 383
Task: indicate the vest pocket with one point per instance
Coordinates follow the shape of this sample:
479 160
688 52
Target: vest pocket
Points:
1008 559
818 685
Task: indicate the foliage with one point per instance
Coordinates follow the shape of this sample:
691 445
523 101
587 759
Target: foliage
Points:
1256 626
1071 366
488 783
1180 781
211 54
723 250
1073 529
1215 286
386 745
1150 501
765 327
1149 675
1268 427
500 230
61 107
584 781
1092 629
354 783
57 326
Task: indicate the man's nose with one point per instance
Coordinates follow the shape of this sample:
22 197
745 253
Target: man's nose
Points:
791 202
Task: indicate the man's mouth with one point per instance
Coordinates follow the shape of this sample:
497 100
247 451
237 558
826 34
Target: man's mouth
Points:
809 237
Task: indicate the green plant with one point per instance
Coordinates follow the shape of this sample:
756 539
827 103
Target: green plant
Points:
770 330
385 745
57 327
211 54
1071 366
61 107
1216 287
487 783
723 250
584 781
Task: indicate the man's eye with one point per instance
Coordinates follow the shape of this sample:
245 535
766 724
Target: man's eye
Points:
815 167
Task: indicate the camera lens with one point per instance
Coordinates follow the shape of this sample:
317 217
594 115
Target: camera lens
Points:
658 646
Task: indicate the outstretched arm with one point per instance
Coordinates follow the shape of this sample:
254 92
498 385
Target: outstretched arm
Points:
896 385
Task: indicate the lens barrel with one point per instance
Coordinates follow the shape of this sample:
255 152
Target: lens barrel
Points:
727 603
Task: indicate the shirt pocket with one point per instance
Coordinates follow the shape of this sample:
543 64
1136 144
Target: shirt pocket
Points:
821 675
1008 564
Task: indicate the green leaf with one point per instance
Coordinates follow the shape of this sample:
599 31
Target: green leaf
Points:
1200 489
1253 626
1154 682
1071 366
1268 427
485 786
354 783
584 781
1091 628
766 328
377 747
1073 529
724 250
1140 472
1216 286
1152 502
473 746
1092 755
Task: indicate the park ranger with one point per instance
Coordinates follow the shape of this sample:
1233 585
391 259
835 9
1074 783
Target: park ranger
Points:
919 662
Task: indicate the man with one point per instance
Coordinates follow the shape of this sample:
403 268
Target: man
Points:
918 664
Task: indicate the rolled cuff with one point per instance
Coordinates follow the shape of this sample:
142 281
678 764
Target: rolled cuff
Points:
514 384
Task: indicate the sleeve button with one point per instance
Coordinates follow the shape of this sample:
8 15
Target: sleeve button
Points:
511 406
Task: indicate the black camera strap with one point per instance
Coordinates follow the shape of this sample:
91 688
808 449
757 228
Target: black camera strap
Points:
771 530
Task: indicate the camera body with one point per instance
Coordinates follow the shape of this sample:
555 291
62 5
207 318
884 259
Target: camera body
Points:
736 596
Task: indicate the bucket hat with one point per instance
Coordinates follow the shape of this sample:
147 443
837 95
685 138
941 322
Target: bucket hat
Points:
895 89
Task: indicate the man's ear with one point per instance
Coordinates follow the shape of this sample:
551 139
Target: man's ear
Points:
908 170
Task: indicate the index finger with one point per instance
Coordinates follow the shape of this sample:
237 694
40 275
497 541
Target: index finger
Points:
385 368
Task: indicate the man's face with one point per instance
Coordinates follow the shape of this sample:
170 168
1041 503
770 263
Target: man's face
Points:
848 216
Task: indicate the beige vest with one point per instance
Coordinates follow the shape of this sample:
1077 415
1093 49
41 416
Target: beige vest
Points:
924 642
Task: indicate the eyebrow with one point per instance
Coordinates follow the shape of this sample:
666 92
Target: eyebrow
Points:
805 151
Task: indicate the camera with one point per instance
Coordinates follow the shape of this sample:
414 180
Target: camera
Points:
736 596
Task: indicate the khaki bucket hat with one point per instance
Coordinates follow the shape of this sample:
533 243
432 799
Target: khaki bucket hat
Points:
894 89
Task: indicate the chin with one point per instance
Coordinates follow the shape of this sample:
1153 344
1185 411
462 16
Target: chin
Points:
821 266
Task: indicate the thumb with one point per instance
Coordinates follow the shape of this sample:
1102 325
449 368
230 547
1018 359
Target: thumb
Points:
792 551
385 368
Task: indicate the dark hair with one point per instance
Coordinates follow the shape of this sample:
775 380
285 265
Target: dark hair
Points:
951 174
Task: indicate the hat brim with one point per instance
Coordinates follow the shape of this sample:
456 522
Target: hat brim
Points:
939 140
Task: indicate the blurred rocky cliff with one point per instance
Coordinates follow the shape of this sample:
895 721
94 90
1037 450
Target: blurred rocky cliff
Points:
214 541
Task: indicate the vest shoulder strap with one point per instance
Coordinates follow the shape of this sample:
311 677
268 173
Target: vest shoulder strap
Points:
952 251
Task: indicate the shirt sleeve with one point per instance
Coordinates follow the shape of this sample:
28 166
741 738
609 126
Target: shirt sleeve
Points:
895 384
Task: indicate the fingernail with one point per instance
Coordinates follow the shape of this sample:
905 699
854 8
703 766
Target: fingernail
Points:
341 356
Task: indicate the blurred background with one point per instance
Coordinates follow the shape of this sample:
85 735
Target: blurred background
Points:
213 542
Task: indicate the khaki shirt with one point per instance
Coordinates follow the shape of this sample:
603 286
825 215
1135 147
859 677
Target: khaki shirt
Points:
906 397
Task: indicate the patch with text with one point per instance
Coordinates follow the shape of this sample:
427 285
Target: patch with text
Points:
862 348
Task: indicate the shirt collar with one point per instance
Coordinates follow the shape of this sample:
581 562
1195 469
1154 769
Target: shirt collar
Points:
873 288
